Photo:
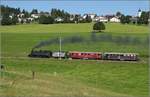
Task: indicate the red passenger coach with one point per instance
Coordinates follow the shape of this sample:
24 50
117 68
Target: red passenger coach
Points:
85 55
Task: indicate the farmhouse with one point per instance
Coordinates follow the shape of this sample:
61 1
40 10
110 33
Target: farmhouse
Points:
20 15
103 19
30 19
115 19
35 16
11 16
100 19
92 16
59 19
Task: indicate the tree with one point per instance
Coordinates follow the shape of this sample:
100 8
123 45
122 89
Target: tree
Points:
88 19
14 20
46 20
144 17
123 19
118 14
18 11
76 19
26 14
23 11
34 11
128 19
6 20
55 13
99 26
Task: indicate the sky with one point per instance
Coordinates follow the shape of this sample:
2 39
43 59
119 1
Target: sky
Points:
100 7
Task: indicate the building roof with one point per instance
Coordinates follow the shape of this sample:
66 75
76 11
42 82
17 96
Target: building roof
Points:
119 53
139 10
82 52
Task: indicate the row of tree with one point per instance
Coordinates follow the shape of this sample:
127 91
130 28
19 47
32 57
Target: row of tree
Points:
143 19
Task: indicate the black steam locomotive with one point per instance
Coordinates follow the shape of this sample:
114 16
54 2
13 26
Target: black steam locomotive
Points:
40 53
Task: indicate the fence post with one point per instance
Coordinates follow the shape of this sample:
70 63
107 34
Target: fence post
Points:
33 74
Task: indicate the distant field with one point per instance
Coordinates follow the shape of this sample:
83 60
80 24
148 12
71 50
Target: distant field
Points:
86 27
73 77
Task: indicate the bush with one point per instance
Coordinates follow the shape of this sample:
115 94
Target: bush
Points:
99 26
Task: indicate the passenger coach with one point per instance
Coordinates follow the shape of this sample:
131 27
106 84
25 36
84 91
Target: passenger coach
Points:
85 55
121 56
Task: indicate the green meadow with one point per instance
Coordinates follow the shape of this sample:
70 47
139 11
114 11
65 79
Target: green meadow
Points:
73 77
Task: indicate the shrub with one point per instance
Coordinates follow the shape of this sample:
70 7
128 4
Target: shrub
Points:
99 26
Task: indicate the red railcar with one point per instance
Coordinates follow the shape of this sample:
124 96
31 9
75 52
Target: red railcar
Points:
85 55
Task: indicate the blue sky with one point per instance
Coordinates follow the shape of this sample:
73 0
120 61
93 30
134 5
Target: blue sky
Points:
87 6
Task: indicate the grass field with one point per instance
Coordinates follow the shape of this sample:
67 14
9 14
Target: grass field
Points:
73 77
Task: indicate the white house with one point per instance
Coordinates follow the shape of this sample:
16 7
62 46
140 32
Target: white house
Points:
20 15
19 20
100 19
30 19
115 20
96 19
35 16
84 16
103 19
71 18
11 16
59 19
92 16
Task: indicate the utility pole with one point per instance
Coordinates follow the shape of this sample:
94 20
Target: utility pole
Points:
60 47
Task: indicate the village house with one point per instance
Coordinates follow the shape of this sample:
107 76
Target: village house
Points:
30 19
35 16
96 19
91 15
59 19
10 16
103 19
134 19
84 16
115 20
100 19
20 15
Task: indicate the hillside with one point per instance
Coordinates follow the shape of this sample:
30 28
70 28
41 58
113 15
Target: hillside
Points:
73 77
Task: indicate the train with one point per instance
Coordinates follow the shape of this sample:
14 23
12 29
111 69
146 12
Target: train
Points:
85 55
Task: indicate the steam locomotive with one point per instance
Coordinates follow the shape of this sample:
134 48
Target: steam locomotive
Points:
85 55
41 54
